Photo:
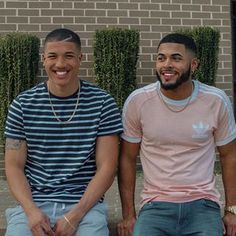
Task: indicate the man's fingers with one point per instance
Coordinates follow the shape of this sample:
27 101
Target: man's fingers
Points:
47 230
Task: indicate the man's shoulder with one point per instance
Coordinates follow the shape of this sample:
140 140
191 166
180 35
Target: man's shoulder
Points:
210 90
144 93
94 94
37 89
92 88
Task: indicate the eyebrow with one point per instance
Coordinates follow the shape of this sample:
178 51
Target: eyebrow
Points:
173 54
69 52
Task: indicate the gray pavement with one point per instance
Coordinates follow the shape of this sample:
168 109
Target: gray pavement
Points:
112 198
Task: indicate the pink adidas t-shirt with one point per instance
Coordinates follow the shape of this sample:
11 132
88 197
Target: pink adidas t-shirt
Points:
178 149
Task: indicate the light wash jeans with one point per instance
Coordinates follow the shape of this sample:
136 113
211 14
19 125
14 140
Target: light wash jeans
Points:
197 218
94 222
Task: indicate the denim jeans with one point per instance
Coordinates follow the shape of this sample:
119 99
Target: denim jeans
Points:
197 218
94 222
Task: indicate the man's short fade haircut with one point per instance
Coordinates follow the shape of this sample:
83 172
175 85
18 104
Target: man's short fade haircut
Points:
65 35
179 38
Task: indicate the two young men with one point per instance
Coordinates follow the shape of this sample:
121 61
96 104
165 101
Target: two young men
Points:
62 149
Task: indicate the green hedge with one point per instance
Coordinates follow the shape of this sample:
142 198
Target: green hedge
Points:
19 56
207 41
115 58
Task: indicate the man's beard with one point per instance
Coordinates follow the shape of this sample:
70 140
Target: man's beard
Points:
180 80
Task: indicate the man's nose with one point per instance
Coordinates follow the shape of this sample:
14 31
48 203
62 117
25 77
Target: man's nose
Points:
60 62
168 63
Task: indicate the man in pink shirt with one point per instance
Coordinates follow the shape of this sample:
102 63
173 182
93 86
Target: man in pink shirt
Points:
175 125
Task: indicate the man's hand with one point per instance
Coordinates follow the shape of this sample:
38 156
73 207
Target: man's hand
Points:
65 226
39 224
229 221
126 227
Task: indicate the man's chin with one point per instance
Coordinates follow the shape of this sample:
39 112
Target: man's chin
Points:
168 85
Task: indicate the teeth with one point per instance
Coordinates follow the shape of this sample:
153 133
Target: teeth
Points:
61 73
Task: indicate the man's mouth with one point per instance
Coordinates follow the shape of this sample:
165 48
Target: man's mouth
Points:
61 73
167 74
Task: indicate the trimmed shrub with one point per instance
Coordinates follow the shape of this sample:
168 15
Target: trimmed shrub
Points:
115 58
207 41
19 56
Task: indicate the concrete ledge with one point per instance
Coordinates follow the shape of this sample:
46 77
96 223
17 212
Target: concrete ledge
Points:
2 232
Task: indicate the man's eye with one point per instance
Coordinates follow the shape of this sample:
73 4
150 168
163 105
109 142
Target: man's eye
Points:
160 58
69 56
51 56
177 58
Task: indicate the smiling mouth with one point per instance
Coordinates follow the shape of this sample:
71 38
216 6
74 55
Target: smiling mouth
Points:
167 74
61 73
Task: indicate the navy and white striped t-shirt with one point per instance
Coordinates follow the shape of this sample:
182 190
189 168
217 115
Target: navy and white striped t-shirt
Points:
61 156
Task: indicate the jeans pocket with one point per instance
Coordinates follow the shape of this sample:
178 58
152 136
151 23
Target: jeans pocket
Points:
147 206
211 204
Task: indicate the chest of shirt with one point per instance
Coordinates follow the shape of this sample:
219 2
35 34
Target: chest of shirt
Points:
193 126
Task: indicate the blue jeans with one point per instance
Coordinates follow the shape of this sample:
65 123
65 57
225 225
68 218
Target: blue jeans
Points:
197 218
94 222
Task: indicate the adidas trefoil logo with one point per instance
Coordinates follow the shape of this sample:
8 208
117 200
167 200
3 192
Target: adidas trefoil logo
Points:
200 130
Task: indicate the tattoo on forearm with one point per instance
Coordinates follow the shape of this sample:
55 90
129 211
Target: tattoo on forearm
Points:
13 144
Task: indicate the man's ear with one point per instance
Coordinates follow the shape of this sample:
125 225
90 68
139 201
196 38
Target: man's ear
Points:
43 58
194 64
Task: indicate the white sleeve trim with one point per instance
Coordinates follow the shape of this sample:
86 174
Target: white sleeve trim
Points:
225 141
130 139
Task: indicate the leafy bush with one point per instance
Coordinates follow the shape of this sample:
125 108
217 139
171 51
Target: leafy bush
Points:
207 41
19 56
115 58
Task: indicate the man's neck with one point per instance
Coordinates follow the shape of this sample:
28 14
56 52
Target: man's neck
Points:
62 91
182 92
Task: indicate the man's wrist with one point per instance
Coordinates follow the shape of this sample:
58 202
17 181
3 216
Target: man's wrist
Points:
129 215
230 209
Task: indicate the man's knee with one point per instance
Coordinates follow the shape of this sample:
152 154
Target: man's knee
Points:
17 223
94 222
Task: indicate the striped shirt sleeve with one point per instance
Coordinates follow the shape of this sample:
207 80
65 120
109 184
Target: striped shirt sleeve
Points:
14 123
110 122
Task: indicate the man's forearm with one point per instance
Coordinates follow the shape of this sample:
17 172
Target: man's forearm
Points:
127 200
97 187
20 188
126 179
15 159
229 180
106 164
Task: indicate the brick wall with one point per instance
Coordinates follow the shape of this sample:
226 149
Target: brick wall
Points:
153 18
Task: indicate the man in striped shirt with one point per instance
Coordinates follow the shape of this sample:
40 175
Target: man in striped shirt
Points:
176 124
61 148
